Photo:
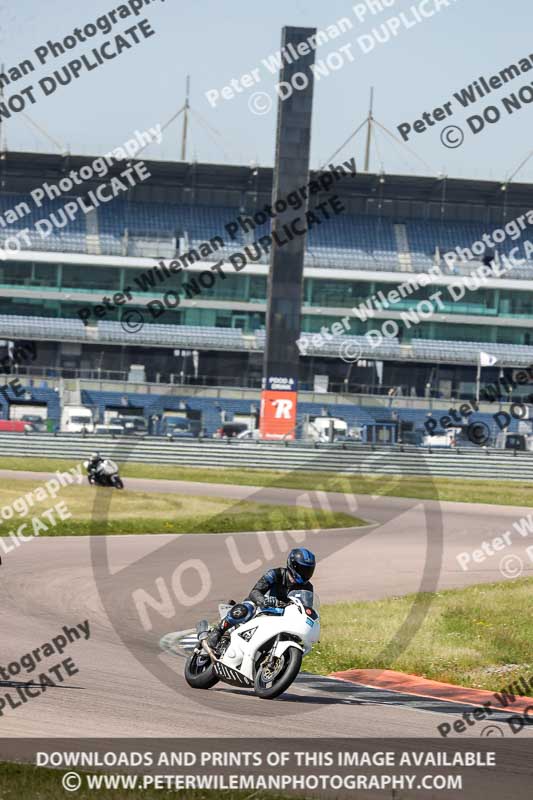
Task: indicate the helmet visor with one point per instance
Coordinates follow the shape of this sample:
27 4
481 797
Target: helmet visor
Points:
303 572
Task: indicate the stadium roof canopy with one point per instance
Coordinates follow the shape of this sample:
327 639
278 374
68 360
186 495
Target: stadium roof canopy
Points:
23 171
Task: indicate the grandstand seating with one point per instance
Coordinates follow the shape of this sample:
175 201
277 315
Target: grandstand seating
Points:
153 221
156 229
424 237
205 338
41 327
348 241
189 336
159 229
468 352
69 239
432 350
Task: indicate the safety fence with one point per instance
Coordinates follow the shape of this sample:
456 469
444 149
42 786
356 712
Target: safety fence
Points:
472 462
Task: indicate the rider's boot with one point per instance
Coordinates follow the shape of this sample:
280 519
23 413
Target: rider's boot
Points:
216 633
240 612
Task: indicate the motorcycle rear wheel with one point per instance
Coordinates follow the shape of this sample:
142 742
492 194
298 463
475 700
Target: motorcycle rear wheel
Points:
267 689
200 674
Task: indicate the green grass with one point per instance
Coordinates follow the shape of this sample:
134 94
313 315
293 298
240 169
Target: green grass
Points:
511 493
26 782
479 637
107 511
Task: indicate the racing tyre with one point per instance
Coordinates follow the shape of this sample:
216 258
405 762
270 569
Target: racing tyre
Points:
200 672
269 684
117 483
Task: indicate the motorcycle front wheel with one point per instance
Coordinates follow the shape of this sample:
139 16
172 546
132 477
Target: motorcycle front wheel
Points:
200 672
272 680
117 483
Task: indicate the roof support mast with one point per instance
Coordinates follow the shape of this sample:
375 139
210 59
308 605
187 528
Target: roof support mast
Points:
2 139
186 118
369 129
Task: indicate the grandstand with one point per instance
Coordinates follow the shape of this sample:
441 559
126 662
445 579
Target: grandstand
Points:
394 228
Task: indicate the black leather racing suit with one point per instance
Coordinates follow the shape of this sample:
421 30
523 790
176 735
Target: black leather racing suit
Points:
276 583
94 463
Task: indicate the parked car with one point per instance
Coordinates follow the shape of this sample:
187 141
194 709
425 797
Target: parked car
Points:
123 426
133 426
37 423
249 434
516 441
110 428
413 437
15 426
345 437
181 430
230 430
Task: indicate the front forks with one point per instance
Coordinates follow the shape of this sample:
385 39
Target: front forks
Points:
270 661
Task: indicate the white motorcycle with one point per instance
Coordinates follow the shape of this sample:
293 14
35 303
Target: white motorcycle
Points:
106 474
264 654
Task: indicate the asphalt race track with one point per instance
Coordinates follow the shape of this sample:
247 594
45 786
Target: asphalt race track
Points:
127 687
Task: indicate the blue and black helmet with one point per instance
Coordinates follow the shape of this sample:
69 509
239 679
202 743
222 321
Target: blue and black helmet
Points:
301 564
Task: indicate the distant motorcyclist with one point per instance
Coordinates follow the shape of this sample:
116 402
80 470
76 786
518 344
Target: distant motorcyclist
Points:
271 590
95 460
103 472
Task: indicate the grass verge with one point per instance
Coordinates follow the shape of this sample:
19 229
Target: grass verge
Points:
478 637
509 493
141 512
36 783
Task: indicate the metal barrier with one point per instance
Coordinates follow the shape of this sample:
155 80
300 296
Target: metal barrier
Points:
473 462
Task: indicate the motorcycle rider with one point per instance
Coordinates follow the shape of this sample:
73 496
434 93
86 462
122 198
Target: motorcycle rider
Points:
271 590
95 459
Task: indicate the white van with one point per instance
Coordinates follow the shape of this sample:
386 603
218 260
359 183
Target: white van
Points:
318 428
446 438
76 419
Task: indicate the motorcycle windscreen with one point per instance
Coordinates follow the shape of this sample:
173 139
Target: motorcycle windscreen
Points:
309 599
109 467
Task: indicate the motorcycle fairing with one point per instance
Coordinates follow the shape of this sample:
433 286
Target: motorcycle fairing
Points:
240 654
232 676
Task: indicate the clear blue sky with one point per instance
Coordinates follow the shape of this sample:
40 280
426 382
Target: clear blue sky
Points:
216 41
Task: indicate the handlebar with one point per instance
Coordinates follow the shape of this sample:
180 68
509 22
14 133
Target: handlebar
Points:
275 603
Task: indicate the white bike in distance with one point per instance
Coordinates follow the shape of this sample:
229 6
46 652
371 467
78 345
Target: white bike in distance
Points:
105 474
264 654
